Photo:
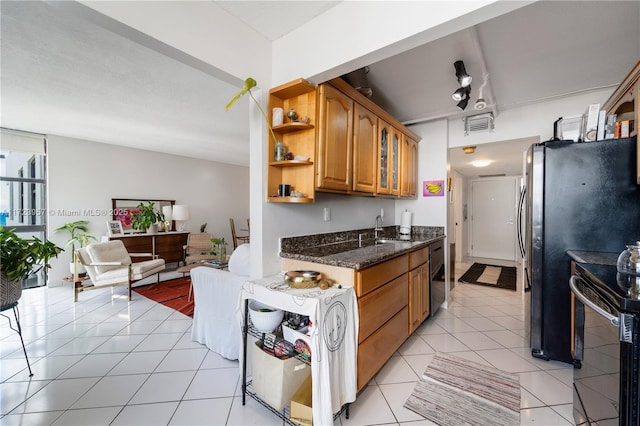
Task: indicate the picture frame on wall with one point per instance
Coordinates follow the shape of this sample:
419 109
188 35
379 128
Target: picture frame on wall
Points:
114 228
125 208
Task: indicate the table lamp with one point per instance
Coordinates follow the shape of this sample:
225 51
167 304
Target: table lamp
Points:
180 215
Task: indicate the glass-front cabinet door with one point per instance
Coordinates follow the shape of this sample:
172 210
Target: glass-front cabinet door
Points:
383 149
395 162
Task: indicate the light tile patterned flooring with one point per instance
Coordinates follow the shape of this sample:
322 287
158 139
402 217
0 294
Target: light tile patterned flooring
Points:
104 361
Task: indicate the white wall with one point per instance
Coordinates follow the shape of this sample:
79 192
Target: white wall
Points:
432 165
87 175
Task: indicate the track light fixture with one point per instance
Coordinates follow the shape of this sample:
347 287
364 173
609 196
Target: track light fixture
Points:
464 79
462 96
463 104
459 94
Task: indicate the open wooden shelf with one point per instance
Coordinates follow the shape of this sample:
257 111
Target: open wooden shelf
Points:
290 200
290 163
294 126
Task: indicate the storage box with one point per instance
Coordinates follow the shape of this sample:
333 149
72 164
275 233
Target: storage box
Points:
275 380
301 409
570 128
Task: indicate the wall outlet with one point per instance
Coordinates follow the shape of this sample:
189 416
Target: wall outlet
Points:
327 214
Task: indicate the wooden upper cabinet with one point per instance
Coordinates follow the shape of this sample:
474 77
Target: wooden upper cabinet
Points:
365 150
625 103
335 140
414 186
409 167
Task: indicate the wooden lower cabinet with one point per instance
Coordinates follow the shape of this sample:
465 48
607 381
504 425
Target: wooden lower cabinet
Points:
166 245
419 298
170 247
371 278
376 350
377 307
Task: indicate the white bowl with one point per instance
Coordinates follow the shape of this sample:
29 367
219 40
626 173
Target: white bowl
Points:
264 317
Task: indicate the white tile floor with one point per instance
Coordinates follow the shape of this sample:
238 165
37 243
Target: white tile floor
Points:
106 361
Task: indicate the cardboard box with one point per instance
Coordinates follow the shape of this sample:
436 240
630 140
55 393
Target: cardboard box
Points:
275 380
625 129
591 123
301 409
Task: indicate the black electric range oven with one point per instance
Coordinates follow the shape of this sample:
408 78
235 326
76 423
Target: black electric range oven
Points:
606 320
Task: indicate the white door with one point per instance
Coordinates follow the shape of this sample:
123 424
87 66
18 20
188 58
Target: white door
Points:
493 210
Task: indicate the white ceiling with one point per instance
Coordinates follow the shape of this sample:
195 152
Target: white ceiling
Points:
63 74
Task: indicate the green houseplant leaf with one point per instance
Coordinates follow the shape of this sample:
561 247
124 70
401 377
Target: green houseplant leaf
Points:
145 216
21 257
250 83
78 233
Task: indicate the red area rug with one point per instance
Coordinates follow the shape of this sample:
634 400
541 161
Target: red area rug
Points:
173 293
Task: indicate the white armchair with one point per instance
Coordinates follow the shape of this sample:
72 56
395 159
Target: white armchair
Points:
109 264
216 297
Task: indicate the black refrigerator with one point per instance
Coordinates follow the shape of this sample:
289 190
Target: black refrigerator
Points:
579 196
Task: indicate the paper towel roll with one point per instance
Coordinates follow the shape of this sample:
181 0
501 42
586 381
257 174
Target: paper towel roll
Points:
405 223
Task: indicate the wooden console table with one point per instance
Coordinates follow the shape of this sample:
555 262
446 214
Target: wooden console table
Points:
165 245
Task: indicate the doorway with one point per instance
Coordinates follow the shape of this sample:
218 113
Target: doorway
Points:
493 218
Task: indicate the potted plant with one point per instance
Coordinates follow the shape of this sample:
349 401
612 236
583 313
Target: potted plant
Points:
219 249
21 257
78 233
145 217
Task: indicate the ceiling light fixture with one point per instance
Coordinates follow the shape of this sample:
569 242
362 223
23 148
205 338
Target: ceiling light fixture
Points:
462 96
469 149
464 79
459 94
463 103
480 163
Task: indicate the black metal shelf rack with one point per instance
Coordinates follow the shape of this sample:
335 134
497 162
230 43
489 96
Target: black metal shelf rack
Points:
248 329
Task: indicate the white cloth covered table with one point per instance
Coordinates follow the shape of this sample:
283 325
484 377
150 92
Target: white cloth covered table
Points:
334 337
215 324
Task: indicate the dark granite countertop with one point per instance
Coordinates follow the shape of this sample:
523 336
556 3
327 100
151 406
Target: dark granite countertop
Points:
348 253
594 257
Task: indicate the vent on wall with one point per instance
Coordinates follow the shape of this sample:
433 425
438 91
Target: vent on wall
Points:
493 175
478 123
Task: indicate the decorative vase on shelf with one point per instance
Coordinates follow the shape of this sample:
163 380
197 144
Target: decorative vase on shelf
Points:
222 252
279 151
